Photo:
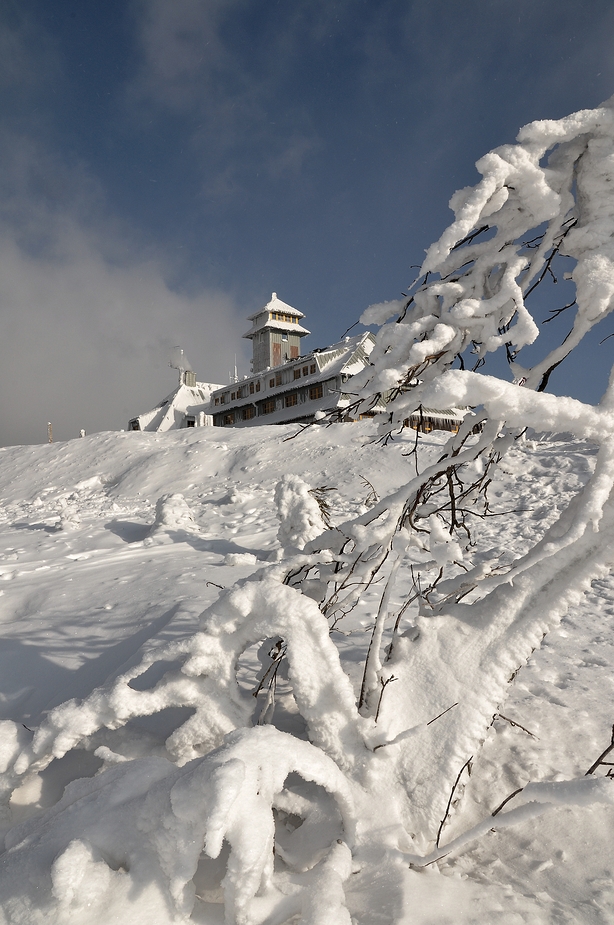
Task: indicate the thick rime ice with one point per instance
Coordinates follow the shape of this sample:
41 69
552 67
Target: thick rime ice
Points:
153 822
300 747
300 518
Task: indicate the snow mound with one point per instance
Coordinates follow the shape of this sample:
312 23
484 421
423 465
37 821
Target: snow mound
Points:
240 558
172 514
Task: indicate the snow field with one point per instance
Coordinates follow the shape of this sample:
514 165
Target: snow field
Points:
82 606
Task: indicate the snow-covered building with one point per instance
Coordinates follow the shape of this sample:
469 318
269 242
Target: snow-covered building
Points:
427 419
284 386
296 390
186 406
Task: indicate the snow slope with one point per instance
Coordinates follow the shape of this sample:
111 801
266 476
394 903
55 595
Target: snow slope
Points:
112 545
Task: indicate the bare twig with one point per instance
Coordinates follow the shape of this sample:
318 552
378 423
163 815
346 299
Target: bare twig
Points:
603 755
319 494
496 811
555 312
550 258
470 237
384 686
373 497
349 329
447 812
513 723
302 427
443 713
401 734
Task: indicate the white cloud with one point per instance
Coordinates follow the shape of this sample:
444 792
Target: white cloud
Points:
88 316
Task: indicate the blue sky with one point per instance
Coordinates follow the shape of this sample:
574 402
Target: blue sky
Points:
166 164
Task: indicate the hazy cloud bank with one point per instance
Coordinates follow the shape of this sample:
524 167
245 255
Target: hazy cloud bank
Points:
87 314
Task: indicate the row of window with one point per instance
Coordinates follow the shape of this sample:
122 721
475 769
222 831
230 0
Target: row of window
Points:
280 316
270 405
278 379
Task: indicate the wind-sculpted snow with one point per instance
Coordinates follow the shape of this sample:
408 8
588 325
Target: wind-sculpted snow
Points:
291 697
144 825
207 683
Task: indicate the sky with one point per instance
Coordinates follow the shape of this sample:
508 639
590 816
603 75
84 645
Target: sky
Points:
167 164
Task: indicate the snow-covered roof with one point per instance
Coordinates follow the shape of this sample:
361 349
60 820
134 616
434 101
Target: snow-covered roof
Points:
276 305
274 325
170 413
348 355
265 318
457 414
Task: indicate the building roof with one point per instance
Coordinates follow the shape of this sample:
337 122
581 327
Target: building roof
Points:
171 412
269 324
276 305
262 320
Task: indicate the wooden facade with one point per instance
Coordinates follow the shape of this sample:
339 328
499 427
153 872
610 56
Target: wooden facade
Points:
275 335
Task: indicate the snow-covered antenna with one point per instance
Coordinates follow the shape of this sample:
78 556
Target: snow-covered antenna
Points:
179 361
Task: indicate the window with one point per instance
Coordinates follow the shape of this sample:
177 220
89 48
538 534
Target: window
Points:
251 388
233 395
316 392
217 401
223 399
258 386
271 383
305 370
190 420
297 374
229 419
278 379
268 407
248 413
312 368
291 400
284 337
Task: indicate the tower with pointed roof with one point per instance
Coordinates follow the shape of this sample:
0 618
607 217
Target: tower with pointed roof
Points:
275 334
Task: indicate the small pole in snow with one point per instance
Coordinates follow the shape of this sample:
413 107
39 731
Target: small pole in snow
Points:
49 432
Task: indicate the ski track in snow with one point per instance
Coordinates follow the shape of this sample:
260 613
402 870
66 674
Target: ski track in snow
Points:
87 585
